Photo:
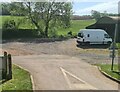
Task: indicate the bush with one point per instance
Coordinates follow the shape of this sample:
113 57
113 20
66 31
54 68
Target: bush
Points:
9 24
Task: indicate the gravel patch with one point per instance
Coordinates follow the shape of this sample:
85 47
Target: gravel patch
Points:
67 47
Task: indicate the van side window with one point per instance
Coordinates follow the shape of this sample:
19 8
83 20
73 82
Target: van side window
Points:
88 35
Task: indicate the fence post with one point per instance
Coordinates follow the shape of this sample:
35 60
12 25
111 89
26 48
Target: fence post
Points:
1 59
9 67
5 65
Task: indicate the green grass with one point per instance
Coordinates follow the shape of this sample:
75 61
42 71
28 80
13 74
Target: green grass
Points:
20 81
118 45
107 69
76 25
26 23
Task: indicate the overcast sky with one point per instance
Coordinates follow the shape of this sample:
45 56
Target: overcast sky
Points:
84 7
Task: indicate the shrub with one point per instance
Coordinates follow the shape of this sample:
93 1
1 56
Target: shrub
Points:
9 24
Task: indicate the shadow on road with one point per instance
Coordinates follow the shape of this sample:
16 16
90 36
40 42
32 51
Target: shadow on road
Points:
34 40
96 46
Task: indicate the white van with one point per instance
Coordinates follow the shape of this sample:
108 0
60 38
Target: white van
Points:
93 36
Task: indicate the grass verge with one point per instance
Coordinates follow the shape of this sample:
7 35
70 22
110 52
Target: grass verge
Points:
118 45
21 80
107 69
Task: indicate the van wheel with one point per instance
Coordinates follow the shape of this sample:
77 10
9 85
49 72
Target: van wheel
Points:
87 43
82 43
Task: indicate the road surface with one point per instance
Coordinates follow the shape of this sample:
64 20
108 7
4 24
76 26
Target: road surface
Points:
62 72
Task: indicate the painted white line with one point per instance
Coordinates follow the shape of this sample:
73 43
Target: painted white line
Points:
66 78
83 85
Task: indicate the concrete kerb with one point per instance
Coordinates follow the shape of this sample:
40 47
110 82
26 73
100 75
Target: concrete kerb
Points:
108 76
31 77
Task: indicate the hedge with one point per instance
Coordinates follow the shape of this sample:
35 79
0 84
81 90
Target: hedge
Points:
19 33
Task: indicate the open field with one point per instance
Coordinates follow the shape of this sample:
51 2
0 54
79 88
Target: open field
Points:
26 24
20 81
76 25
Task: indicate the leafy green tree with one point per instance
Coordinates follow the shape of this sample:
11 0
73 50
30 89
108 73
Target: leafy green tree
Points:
95 14
45 15
104 14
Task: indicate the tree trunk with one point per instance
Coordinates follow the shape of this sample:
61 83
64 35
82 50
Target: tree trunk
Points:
38 27
33 21
46 29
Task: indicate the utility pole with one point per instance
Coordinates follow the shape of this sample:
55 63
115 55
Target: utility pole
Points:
114 46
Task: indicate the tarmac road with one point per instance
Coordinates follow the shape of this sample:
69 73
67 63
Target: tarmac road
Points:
62 72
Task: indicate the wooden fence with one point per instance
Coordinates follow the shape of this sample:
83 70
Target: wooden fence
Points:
6 66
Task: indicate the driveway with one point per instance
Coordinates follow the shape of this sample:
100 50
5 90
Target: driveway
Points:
63 72
92 55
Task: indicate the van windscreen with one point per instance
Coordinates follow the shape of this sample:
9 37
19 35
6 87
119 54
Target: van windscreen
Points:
80 35
106 36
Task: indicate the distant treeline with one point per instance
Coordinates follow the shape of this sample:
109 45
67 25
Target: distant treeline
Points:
5 9
5 12
85 17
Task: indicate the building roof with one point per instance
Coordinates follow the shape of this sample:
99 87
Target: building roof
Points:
109 20
104 21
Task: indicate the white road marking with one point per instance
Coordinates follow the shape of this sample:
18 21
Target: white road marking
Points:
66 78
83 85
